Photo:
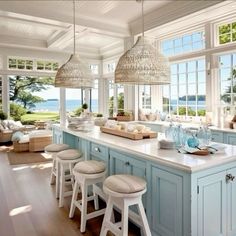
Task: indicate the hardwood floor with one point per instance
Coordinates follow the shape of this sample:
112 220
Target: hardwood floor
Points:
28 206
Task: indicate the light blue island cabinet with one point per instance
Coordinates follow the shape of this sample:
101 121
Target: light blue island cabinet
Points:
186 195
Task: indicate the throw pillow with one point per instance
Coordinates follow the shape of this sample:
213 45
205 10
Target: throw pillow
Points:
17 136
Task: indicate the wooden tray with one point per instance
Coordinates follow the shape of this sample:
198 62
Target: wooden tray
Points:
134 136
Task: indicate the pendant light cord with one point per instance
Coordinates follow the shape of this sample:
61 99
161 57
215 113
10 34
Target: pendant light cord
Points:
74 23
142 20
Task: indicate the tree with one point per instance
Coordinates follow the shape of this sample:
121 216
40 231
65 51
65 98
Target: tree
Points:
28 100
22 87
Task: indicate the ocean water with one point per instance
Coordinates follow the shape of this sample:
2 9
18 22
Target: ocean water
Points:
71 105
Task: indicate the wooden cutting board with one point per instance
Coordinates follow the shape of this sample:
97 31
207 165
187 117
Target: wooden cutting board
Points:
129 135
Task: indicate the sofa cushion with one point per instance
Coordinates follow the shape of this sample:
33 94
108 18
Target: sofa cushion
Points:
17 136
24 139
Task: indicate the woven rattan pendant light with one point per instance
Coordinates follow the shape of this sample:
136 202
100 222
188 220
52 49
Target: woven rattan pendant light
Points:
74 73
142 64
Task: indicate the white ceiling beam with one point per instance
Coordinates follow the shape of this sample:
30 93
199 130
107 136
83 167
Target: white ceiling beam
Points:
22 42
35 21
169 13
15 7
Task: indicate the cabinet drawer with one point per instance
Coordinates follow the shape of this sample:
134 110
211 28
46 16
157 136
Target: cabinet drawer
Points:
99 151
217 137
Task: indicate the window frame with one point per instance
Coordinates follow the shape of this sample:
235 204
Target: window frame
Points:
216 32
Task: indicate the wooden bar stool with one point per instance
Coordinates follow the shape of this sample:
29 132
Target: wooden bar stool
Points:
87 173
124 191
65 162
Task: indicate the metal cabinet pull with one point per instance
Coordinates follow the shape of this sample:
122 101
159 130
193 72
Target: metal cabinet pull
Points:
96 149
127 163
229 177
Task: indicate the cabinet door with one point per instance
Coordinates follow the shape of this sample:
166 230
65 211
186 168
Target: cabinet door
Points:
122 164
71 140
167 203
230 138
231 201
212 205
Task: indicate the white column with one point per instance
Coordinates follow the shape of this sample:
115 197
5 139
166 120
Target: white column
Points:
5 88
5 95
130 91
62 109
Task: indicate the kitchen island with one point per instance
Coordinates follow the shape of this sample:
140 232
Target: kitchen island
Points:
187 194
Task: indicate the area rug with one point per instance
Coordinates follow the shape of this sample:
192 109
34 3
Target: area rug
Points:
15 158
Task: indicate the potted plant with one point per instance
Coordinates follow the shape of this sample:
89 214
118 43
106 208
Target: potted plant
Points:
100 120
85 107
124 116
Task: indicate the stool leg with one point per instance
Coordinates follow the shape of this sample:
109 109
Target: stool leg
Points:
145 226
52 178
96 204
84 207
57 178
62 186
107 217
74 199
125 219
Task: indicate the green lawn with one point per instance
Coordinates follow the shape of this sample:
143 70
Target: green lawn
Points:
43 116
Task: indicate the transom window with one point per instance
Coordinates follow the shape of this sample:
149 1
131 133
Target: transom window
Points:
226 33
20 64
47 65
187 93
111 67
94 69
183 44
227 74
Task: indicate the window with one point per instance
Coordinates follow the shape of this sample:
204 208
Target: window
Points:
74 100
20 64
47 65
187 93
111 67
183 44
227 75
94 69
226 33
94 97
145 96
116 98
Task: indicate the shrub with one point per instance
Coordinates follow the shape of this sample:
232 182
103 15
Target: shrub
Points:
99 115
17 111
3 115
78 111
85 106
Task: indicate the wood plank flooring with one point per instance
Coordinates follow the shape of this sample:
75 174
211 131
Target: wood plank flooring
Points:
28 206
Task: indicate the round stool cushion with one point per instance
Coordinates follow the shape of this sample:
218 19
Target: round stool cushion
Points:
90 167
69 154
56 147
125 183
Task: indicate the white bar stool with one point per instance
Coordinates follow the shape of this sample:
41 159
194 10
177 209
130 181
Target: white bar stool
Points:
124 191
87 173
66 160
52 150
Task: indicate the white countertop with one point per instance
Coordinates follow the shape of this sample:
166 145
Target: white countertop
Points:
147 149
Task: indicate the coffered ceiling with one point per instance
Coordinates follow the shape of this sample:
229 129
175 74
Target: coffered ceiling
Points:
47 24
